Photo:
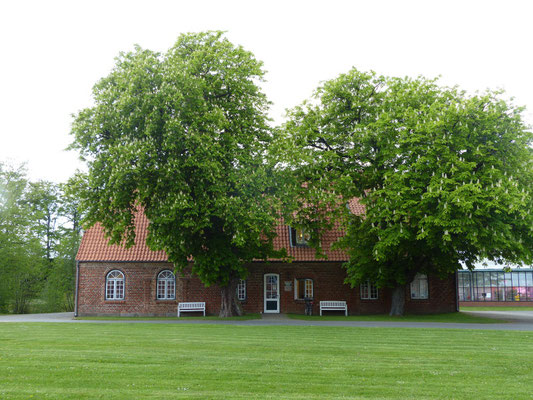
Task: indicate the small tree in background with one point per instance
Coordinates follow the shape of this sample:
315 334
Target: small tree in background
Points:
22 257
445 178
184 136
59 288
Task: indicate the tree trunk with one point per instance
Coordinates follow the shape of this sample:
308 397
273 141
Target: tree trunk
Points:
397 301
230 306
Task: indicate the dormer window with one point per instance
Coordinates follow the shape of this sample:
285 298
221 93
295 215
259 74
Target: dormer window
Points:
299 237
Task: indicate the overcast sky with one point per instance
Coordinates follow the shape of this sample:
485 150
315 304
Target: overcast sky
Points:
53 52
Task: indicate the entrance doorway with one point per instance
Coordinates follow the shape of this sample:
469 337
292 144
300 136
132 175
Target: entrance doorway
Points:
271 293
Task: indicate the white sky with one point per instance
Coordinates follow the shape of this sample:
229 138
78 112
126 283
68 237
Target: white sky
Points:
52 52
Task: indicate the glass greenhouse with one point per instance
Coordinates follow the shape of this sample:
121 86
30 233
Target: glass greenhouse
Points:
495 285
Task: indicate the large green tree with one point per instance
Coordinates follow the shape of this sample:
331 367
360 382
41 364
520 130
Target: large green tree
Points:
446 178
184 136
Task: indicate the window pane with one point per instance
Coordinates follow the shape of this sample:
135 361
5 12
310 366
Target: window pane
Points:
508 282
110 292
419 287
374 292
241 290
363 289
486 280
308 288
171 289
479 279
423 288
301 289
119 288
529 278
415 290
302 237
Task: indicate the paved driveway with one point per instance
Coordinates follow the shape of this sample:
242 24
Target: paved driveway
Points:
52 317
525 317
520 321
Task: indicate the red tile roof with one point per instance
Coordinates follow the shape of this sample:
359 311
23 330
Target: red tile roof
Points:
95 247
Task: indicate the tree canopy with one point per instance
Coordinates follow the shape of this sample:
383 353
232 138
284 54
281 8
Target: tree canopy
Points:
446 178
184 136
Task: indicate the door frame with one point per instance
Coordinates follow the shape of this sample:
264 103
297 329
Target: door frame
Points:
276 311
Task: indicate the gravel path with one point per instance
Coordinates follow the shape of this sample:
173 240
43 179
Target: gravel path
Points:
520 321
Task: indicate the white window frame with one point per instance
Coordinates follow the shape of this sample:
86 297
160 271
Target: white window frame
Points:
420 287
368 291
308 288
115 285
166 285
241 290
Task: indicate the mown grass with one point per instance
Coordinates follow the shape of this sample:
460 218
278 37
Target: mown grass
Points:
496 308
185 317
457 317
165 361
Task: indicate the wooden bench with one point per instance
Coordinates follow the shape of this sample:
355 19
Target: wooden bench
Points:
333 306
191 307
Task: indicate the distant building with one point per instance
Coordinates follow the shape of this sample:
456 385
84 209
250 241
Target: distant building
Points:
491 286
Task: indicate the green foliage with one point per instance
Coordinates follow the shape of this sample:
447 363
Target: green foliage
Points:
446 178
21 253
43 199
184 136
39 238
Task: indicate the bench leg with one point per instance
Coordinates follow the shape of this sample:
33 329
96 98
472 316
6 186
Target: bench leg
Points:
346 312
320 312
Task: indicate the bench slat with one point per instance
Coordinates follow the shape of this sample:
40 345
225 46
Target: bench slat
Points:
331 305
190 307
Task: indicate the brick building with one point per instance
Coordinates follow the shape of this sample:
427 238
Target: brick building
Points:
113 280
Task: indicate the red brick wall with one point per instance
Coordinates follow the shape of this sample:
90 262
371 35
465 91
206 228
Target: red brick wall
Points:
140 290
442 297
328 280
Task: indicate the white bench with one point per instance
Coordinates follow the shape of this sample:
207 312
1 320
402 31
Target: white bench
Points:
191 307
333 306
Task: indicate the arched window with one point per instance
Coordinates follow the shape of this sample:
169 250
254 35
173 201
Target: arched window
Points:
114 285
166 285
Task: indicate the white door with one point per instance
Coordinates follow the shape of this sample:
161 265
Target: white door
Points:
271 293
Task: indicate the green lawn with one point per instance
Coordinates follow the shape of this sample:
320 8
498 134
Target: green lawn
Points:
165 361
448 317
186 317
495 308
458 317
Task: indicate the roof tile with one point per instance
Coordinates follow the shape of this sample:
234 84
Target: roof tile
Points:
95 246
